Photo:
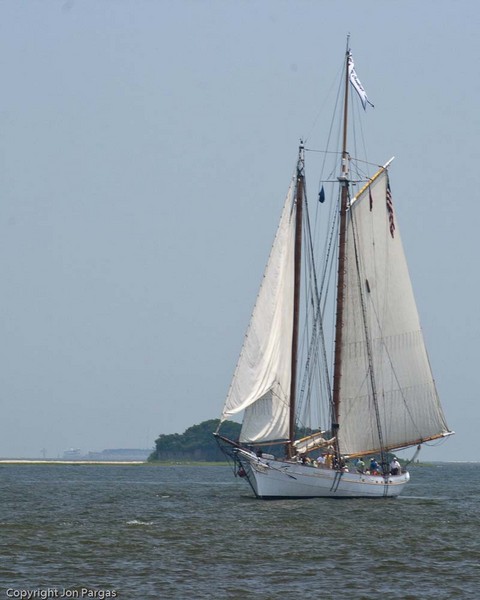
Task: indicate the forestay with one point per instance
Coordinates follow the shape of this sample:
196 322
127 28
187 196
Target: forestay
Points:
261 383
408 407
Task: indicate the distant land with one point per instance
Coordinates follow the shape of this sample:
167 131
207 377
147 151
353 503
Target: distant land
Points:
110 454
76 455
196 443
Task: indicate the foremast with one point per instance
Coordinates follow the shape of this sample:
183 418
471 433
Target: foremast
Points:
299 193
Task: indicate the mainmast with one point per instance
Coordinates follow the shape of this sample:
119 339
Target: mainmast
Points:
343 178
296 294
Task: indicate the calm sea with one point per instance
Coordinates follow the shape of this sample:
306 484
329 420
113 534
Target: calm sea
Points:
181 532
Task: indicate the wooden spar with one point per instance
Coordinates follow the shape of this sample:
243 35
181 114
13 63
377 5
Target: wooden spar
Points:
296 296
370 181
343 178
373 451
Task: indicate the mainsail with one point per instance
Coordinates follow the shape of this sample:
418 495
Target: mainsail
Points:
387 393
261 383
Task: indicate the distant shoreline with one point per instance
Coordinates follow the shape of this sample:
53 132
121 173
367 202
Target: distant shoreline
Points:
171 463
123 463
40 461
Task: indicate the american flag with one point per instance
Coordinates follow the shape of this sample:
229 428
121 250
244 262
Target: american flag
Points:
390 210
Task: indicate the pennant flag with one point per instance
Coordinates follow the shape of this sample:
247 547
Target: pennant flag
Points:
370 197
390 209
355 81
321 196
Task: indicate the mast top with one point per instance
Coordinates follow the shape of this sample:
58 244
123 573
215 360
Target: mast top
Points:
344 171
301 159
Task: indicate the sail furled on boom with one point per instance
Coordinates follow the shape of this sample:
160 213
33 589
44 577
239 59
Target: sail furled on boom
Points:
378 290
261 383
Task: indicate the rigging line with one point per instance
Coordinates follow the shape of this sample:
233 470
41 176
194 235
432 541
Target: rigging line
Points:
358 166
317 325
313 369
385 487
327 278
282 399
318 291
362 135
366 162
307 275
333 121
437 442
328 144
361 172
394 372
359 121
367 341
316 371
312 357
323 151
259 462
329 269
364 179
311 363
310 298
355 120
328 250
338 77
353 408
280 470
336 481
417 452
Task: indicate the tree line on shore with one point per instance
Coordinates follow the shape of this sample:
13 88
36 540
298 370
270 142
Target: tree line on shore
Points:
195 443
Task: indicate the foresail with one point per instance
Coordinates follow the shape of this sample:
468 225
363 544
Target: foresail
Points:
261 383
382 332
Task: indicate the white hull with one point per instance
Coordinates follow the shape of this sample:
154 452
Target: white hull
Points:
288 479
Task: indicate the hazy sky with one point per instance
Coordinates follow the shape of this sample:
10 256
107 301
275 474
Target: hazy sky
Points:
145 152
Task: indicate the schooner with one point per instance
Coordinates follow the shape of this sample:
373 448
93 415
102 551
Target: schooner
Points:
378 389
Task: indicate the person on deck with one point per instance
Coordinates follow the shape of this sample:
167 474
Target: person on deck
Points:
395 467
374 467
360 465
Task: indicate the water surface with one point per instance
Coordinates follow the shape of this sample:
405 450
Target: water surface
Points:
184 532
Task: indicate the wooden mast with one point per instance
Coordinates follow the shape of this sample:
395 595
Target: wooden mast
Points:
296 294
343 178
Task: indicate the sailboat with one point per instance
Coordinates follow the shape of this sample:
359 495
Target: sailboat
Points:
376 384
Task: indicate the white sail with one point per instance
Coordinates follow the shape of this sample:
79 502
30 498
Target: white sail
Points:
379 299
261 383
